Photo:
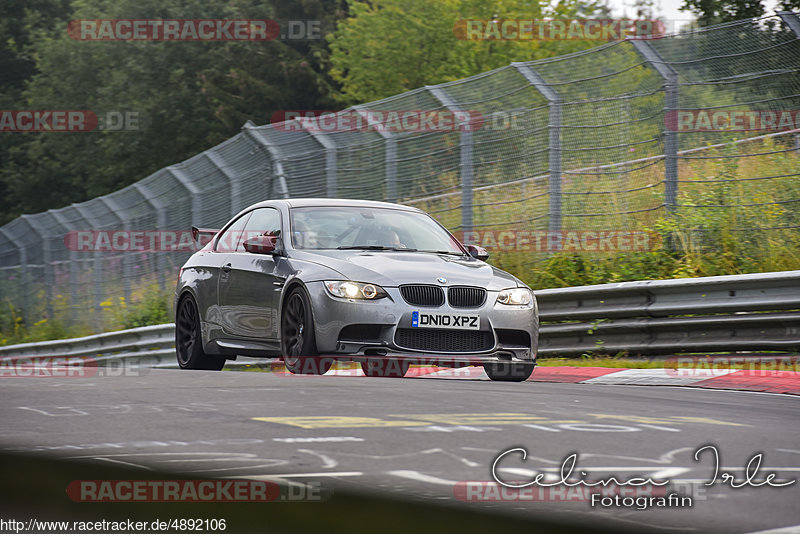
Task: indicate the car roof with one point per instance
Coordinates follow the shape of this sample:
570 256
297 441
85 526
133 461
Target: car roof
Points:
331 202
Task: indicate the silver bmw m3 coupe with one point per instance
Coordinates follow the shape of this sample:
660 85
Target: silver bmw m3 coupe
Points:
313 281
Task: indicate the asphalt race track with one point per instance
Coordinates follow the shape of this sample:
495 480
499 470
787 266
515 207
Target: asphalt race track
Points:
424 439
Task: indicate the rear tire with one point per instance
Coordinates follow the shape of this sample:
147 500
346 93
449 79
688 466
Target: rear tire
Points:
298 340
189 341
386 368
509 372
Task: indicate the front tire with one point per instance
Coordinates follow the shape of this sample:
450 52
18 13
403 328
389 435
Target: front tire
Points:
188 340
298 340
509 372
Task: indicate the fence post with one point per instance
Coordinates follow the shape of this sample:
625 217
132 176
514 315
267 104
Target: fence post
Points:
114 207
47 264
554 149
279 185
73 262
49 275
217 161
193 191
466 164
97 267
791 19
390 154
23 273
670 77
161 223
330 157
280 188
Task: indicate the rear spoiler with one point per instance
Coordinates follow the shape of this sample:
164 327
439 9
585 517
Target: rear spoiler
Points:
197 232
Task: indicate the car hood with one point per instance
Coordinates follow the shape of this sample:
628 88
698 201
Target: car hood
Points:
391 269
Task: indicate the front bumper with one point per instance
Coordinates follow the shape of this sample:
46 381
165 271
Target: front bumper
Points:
502 327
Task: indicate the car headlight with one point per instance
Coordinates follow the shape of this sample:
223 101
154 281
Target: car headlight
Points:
518 296
355 290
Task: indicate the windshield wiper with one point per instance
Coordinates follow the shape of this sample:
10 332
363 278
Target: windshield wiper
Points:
400 249
376 247
449 252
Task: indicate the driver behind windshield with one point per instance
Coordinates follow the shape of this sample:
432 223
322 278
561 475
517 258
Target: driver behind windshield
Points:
387 238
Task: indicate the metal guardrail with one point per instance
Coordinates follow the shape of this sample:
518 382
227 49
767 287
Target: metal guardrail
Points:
751 312
719 313
148 345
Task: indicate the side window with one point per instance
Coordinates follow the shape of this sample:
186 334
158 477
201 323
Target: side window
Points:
232 236
264 221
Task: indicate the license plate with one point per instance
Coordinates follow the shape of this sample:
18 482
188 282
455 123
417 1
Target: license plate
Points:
445 320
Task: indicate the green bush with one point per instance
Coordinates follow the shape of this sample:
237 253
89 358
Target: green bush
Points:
152 309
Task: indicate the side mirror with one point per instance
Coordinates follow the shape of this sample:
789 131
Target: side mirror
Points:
477 252
262 244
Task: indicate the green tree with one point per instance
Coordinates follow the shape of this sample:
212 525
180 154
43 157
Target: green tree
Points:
716 11
21 23
385 47
189 95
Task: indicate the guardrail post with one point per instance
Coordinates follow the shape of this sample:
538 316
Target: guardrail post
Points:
466 164
330 157
390 154
554 129
279 186
670 77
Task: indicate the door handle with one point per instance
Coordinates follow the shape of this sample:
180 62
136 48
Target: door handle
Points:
226 268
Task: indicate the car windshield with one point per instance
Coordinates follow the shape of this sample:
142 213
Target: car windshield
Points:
369 229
